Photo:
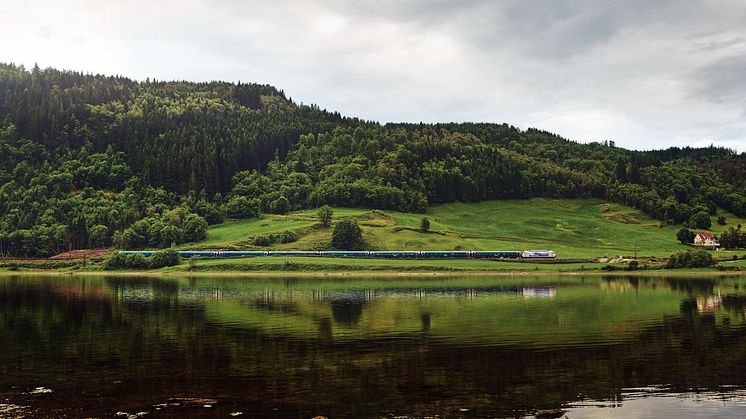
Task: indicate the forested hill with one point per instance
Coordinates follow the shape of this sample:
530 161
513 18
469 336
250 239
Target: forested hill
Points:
84 159
184 136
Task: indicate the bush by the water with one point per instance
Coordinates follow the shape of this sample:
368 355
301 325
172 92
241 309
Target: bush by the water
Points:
15 265
165 258
690 259
137 261
347 235
119 260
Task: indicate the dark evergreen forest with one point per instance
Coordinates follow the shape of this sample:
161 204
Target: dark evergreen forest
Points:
91 161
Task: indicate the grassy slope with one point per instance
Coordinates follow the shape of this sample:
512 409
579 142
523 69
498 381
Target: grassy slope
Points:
731 221
573 228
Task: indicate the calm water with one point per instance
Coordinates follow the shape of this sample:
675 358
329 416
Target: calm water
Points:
372 348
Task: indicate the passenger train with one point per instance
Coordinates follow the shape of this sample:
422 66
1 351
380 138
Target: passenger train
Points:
388 254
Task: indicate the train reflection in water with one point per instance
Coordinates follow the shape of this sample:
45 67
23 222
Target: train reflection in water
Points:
549 292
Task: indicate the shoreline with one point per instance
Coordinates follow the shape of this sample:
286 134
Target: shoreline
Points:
373 273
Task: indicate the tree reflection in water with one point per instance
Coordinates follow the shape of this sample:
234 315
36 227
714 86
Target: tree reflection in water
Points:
367 347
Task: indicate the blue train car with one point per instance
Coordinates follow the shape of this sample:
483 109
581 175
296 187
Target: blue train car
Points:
496 255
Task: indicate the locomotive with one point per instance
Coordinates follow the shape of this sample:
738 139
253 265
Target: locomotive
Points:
538 254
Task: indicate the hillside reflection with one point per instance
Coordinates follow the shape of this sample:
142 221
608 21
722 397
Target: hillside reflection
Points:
294 347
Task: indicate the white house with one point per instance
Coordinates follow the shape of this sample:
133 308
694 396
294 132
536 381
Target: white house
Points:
706 240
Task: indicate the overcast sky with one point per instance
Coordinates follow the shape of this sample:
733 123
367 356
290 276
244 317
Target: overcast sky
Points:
644 73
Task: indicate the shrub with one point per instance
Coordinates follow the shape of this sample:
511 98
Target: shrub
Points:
633 265
117 260
280 205
425 224
288 236
721 220
347 235
325 216
193 262
684 235
690 259
136 261
164 258
266 240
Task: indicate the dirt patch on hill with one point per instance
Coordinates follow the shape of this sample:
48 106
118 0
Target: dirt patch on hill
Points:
86 254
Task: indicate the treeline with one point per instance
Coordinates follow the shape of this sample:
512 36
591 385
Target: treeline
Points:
91 160
180 135
54 203
408 167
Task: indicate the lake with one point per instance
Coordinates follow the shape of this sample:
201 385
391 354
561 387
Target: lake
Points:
461 347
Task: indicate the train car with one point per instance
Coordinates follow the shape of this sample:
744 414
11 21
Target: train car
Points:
343 253
290 253
393 254
538 254
241 253
495 255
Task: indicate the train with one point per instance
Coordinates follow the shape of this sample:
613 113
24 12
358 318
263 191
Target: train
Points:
385 254
538 254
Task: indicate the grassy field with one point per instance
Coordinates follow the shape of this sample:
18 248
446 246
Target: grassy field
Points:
573 228
276 263
735 263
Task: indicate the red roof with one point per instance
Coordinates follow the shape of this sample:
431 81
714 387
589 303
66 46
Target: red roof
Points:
707 236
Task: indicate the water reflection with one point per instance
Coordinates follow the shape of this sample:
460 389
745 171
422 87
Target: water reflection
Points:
465 347
539 292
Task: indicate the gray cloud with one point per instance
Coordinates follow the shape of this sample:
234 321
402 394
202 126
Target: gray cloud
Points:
722 82
645 74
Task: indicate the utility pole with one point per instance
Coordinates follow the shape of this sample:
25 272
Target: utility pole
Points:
635 249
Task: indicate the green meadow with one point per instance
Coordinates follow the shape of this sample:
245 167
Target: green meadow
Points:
571 227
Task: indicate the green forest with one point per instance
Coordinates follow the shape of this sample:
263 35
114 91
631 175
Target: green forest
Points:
94 161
